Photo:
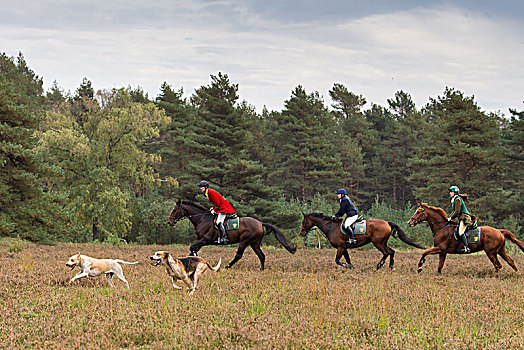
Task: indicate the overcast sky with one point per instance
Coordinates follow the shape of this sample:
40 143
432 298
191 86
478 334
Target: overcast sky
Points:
268 47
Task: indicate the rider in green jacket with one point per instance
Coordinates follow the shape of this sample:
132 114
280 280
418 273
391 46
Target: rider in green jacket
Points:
461 212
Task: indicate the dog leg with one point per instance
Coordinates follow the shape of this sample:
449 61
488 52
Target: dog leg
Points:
77 276
123 279
189 284
174 283
109 278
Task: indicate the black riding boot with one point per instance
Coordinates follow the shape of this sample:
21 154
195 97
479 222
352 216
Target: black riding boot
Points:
466 244
352 239
222 237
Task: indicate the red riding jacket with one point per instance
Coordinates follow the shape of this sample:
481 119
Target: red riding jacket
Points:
220 204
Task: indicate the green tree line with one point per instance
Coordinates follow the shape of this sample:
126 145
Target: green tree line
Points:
110 164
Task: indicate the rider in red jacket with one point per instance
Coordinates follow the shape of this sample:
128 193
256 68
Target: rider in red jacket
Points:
221 207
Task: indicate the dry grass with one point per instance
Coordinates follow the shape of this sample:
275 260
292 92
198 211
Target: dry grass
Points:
300 301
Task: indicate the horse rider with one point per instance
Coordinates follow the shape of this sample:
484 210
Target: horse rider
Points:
461 212
221 208
347 207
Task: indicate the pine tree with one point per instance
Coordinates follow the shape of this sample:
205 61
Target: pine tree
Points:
305 163
460 148
401 143
352 134
27 208
513 146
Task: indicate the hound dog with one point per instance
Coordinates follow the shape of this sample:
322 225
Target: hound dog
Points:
91 267
188 269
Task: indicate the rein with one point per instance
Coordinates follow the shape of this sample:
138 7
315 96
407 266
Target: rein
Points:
191 216
316 227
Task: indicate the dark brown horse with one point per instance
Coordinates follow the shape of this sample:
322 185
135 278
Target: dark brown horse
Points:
492 240
249 233
377 232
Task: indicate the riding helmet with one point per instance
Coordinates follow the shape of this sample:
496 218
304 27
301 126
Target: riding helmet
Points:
203 183
454 189
341 191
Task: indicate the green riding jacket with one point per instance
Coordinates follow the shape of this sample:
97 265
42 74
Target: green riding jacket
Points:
459 210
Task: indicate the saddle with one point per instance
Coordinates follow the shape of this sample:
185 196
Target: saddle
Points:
472 233
231 223
358 227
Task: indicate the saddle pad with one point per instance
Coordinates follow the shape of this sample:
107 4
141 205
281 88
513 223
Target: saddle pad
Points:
232 224
359 228
473 235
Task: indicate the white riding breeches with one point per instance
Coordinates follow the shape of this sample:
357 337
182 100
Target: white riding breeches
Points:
220 218
350 220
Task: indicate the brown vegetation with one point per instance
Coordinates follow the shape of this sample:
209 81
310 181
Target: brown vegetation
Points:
299 301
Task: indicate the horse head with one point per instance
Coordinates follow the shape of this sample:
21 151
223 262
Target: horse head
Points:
307 225
419 216
177 214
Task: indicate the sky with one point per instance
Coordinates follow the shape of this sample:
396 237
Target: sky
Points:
269 47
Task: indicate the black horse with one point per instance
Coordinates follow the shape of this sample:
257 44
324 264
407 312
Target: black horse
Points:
249 233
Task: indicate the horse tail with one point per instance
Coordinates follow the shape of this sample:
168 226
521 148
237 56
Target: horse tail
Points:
508 235
395 229
280 237
216 267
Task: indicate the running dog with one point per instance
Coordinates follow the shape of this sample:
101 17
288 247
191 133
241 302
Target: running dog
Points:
188 269
91 267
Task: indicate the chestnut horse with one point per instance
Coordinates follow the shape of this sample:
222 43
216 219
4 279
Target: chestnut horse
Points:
492 240
377 232
249 233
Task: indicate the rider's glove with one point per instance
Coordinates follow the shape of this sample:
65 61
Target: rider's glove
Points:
212 211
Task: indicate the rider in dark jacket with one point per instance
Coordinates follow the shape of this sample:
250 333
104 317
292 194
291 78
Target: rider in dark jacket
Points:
347 207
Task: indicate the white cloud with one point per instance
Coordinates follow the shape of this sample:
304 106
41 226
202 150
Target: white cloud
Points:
420 51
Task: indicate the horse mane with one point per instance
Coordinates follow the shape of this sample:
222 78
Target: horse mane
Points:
438 210
321 215
194 204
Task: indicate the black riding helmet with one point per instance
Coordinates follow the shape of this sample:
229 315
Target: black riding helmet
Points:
203 183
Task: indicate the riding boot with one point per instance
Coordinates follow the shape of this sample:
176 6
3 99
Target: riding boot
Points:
222 237
466 244
351 239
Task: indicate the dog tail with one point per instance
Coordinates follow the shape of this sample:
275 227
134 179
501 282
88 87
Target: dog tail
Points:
216 267
126 262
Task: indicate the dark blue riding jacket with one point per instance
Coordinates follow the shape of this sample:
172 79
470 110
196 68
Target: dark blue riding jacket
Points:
346 207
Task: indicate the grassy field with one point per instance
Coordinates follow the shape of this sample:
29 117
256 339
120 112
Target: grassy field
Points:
300 301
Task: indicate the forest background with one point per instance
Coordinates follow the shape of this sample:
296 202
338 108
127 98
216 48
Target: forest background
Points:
109 165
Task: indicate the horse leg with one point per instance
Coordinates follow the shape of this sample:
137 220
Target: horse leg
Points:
382 248
504 255
240 252
493 258
391 257
427 252
346 256
195 247
340 252
259 253
441 260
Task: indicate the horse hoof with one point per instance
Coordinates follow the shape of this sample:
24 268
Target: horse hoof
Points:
419 270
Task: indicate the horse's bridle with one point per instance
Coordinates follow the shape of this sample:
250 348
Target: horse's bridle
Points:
418 221
176 220
315 227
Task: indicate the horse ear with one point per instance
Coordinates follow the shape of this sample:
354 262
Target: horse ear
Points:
304 215
178 202
419 204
